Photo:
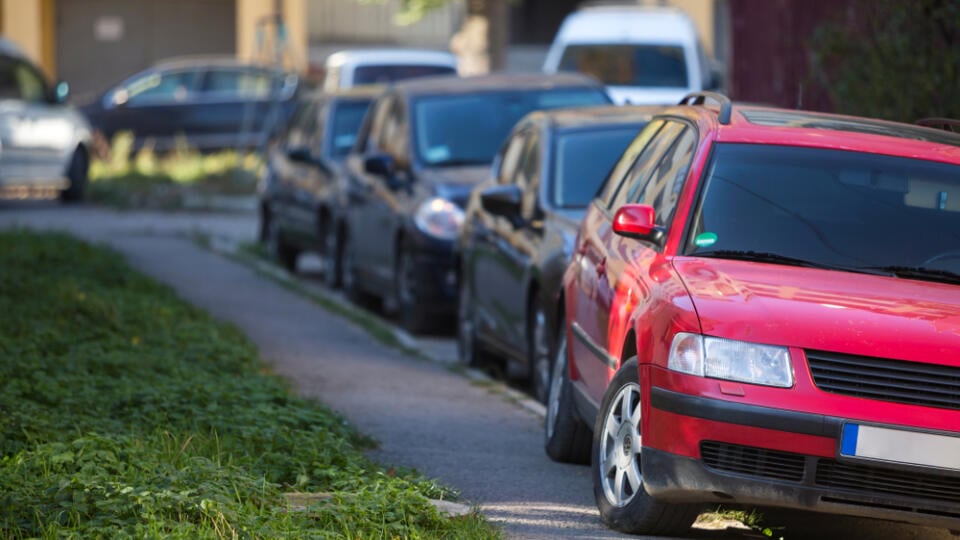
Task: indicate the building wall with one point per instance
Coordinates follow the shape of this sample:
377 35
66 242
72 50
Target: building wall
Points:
92 43
29 24
352 21
701 12
100 42
770 56
256 32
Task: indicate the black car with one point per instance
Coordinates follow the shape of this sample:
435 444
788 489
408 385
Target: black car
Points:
519 229
423 147
210 104
302 192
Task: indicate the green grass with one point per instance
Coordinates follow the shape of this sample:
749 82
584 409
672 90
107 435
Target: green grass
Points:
125 412
145 179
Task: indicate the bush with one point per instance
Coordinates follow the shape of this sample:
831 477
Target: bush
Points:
124 178
892 59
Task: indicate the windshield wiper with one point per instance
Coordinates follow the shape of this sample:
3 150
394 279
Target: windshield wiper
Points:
777 258
918 272
455 162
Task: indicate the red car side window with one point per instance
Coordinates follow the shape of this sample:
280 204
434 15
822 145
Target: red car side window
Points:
617 174
662 188
648 159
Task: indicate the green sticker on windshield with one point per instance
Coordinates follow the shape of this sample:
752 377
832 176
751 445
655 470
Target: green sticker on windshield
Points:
706 239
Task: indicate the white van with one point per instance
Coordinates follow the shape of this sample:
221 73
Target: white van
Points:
355 67
645 55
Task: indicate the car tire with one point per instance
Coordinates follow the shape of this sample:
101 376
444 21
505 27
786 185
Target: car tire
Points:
333 253
467 347
263 230
566 436
623 502
538 352
278 249
412 314
78 174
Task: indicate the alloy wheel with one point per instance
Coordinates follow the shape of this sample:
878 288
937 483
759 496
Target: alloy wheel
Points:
465 326
556 387
620 444
406 281
540 357
333 258
273 238
348 279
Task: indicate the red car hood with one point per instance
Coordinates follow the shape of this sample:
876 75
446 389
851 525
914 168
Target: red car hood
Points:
825 310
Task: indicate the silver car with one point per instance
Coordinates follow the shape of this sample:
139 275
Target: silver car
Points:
44 143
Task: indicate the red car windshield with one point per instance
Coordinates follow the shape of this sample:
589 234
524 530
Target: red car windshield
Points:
829 208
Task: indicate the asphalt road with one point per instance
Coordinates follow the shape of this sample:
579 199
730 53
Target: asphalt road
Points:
468 435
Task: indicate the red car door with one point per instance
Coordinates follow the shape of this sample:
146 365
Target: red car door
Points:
606 257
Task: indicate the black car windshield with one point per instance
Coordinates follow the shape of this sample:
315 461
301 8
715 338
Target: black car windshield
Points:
830 208
388 73
347 117
469 129
582 159
659 66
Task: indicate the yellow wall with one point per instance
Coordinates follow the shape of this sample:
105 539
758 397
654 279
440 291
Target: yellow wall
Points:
250 46
700 11
30 24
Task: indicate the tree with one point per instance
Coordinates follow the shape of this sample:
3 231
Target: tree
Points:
892 59
482 40
413 10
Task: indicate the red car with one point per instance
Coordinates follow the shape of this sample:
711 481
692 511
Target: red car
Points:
763 309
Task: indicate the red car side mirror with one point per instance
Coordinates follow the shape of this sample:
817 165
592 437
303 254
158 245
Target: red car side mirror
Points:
637 221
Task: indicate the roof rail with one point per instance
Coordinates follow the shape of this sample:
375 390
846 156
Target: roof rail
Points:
698 98
947 124
608 3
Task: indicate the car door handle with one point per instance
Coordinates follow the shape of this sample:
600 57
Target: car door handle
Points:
602 267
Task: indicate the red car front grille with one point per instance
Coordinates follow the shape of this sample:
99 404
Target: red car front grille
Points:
868 479
752 461
896 381
872 484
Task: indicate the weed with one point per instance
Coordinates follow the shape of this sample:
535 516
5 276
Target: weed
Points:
129 179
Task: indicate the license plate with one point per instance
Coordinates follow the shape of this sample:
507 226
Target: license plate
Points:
899 446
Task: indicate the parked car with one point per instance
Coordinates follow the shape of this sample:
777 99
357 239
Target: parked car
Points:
763 309
354 67
206 103
519 229
44 142
303 192
424 145
645 55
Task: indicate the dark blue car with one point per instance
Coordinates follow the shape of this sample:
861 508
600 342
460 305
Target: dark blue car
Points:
208 104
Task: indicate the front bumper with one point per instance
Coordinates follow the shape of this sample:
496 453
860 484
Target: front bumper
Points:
792 471
436 280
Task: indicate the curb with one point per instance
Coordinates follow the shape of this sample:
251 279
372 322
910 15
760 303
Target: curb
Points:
219 203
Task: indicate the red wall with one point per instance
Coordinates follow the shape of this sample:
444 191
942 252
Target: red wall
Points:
771 58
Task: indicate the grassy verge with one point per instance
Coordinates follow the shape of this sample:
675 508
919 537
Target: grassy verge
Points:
179 179
125 412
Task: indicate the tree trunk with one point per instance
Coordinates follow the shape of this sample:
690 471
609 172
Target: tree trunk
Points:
481 43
